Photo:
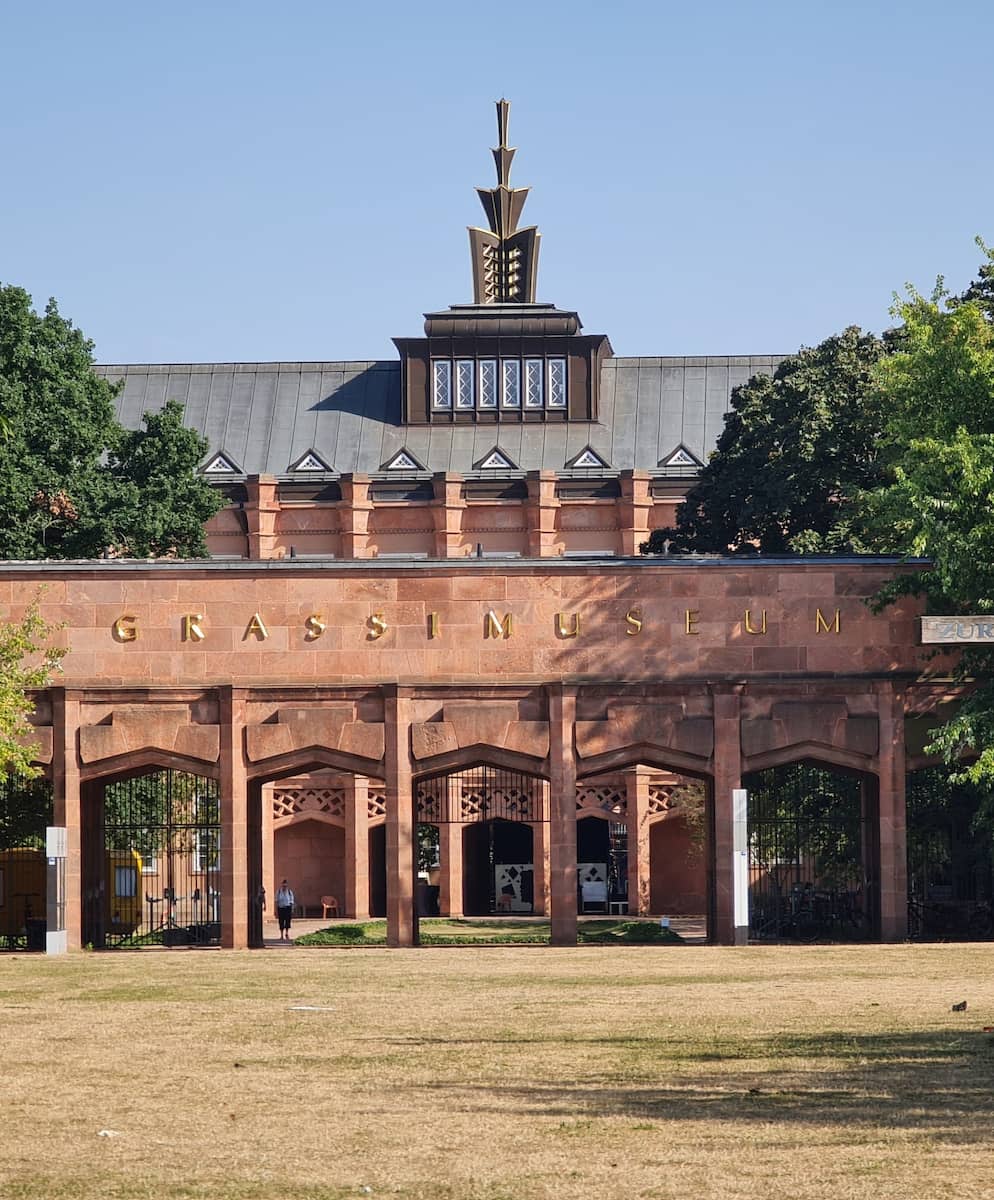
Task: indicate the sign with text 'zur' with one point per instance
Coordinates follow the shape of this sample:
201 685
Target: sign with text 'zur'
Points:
958 629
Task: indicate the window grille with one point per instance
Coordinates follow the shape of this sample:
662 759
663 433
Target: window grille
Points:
464 383
557 383
488 383
534 371
441 383
512 383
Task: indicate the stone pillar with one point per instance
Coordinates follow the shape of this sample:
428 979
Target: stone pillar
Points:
562 815
401 930
727 701
261 510
634 509
450 897
234 821
354 511
447 509
892 814
540 513
68 809
639 867
356 898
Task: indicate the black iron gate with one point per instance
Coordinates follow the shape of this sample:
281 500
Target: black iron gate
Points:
25 811
152 863
495 804
810 871
950 858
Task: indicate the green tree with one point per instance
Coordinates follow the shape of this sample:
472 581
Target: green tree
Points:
73 483
27 661
938 501
796 448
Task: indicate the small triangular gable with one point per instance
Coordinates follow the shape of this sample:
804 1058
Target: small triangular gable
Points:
588 457
495 460
220 464
311 461
403 460
680 457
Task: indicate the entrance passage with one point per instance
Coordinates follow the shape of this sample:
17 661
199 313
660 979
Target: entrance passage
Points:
25 811
810 877
152 862
500 811
950 859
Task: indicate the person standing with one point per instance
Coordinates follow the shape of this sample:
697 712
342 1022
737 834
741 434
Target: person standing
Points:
284 909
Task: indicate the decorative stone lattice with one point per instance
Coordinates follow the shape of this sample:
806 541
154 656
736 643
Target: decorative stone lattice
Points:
601 799
288 802
661 797
376 802
431 807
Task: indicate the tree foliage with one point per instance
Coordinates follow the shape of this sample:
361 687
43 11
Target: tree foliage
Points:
938 392
797 447
27 661
73 482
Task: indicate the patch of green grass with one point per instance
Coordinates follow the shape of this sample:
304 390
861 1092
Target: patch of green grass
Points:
451 931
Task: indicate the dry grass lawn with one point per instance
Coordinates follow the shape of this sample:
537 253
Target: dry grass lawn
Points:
499 1074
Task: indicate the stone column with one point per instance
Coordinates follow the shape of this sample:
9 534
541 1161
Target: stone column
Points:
401 930
234 821
68 809
634 509
639 867
892 814
562 815
540 513
261 510
450 897
447 510
354 511
727 701
356 898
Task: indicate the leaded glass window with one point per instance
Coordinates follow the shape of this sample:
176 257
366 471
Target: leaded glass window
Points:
465 370
441 383
534 370
557 383
512 383
488 383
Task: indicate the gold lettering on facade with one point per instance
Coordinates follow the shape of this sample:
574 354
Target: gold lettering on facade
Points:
692 616
748 622
433 629
315 626
633 618
563 630
126 629
191 627
823 626
377 627
494 627
257 627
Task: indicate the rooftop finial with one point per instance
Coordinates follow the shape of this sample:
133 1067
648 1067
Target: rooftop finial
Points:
505 258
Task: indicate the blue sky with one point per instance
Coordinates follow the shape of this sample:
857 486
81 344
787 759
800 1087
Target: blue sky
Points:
251 182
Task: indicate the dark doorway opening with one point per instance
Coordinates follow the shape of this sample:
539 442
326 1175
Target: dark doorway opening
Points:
498 869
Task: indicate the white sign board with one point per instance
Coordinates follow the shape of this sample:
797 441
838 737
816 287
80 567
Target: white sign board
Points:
958 629
740 863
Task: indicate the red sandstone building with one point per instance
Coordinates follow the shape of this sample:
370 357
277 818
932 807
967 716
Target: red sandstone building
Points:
425 670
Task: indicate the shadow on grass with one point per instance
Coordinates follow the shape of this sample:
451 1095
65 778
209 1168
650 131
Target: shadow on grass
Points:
927 1081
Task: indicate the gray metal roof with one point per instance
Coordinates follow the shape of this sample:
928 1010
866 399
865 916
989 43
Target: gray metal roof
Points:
264 417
